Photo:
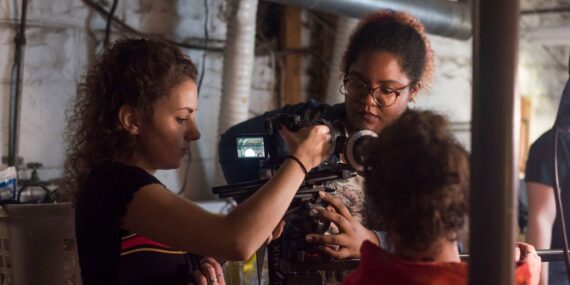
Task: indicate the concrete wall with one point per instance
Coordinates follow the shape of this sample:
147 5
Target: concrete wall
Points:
55 54
58 51
543 68
450 92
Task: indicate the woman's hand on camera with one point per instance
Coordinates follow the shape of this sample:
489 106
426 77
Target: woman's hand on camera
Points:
311 145
210 273
352 233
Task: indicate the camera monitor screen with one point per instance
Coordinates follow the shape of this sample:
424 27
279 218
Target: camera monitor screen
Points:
250 147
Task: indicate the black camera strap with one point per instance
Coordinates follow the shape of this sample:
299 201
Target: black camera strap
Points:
561 126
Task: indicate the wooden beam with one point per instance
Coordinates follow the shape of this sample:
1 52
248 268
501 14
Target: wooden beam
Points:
291 40
525 131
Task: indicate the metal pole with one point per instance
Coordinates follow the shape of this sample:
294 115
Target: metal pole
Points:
16 92
545 10
493 159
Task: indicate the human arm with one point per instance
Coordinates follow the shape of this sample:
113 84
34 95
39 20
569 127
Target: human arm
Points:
541 215
165 217
276 232
352 233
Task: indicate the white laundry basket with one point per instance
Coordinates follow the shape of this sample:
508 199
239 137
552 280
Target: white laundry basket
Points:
37 245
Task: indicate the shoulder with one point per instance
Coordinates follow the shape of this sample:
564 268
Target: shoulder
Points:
117 173
373 254
112 184
111 167
334 112
542 145
378 266
539 162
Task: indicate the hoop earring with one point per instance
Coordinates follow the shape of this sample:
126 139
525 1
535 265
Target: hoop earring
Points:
414 104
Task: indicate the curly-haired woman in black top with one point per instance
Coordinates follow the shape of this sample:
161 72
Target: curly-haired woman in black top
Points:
135 113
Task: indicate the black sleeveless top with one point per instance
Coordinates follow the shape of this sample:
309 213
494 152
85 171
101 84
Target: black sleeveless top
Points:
111 255
539 168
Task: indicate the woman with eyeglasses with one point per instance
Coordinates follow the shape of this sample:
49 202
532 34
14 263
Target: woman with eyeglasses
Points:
387 62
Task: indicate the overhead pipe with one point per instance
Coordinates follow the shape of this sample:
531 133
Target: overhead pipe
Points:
238 67
238 64
494 139
344 27
563 9
16 89
440 17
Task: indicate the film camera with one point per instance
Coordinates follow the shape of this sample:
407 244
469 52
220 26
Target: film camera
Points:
269 149
291 259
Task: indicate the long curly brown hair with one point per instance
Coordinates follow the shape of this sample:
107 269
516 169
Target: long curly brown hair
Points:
417 181
398 33
135 72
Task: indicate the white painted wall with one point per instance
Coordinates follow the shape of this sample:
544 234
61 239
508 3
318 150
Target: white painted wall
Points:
450 92
56 56
55 53
543 69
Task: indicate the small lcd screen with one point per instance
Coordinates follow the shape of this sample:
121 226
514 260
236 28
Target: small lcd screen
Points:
250 147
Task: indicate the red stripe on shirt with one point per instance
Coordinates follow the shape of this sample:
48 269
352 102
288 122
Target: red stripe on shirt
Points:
139 240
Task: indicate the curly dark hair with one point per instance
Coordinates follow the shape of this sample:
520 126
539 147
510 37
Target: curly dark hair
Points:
417 181
398 33
135 72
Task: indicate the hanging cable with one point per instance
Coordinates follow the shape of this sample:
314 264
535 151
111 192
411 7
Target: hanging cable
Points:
561 125
109 20
127 28
558 198
206 38
16 87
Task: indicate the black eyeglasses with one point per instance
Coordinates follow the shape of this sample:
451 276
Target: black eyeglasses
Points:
383 96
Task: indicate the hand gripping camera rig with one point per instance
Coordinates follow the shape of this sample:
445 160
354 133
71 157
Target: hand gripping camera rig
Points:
291 259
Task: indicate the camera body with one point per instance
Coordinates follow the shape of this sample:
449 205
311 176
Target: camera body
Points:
270 150
292 260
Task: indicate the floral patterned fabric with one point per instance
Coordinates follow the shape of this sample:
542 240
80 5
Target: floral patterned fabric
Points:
351 192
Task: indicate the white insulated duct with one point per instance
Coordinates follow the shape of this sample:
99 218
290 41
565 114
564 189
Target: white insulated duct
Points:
344 28
238 64
239 55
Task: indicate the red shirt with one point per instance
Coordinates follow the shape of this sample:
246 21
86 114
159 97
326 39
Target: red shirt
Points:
380 267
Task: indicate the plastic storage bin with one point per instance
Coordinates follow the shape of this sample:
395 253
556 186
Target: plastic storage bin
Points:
37 245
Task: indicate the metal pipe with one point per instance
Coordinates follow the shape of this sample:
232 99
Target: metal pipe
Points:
129 29
16 90
238 64
440 17
344 28
545 10
494 141
546 255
